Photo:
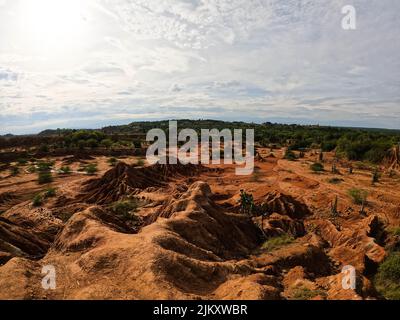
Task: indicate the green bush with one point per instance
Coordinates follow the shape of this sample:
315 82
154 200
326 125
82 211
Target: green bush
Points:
92 143
107 143
44 148
125 209
37 200
304 293
22 162
277 242
31 169
112 161
396 231
91 169
359 196
45 177
290 155
50 192
65 170
317 167
44 166
387 279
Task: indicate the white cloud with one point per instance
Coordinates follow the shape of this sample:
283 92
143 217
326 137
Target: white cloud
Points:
223 58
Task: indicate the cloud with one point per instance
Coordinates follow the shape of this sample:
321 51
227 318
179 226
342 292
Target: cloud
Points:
233 59
8 75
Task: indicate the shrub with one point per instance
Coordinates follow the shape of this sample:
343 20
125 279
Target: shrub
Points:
387 279
45 166
317 167
107 143
359 196
290 155
81 144
14 171
277 242
44 148
65 170
31 169
92 143
91 168
37 200
335 180
375 176
45 177
112 161
50 192
304 293
396 231
125 209
22 162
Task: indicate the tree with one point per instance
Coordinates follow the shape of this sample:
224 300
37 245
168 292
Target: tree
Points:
246 202
317 167
106 143
92 143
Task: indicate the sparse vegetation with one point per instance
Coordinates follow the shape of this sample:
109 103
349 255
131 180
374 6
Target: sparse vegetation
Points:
45 166
125 210
106 143
335 180
246 203
358 196
334 206
277 242
317 167
31 169
112 161
22 162
395 231
50 192
290 155
303 293
65 170
45 177
387 279
91 169
37 200
140 162
375 176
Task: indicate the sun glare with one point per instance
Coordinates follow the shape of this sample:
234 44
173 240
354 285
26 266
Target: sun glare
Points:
50 25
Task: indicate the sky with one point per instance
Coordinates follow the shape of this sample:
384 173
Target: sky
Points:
92 63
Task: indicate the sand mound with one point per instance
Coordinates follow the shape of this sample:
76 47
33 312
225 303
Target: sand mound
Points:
277 225
189 255
6 196
27 232
16 241
354 246
124 179
276 202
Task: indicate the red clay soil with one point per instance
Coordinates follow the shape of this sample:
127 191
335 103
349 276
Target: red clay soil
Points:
193 244
125 179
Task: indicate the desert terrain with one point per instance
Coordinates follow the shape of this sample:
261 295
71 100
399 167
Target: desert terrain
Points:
136 231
